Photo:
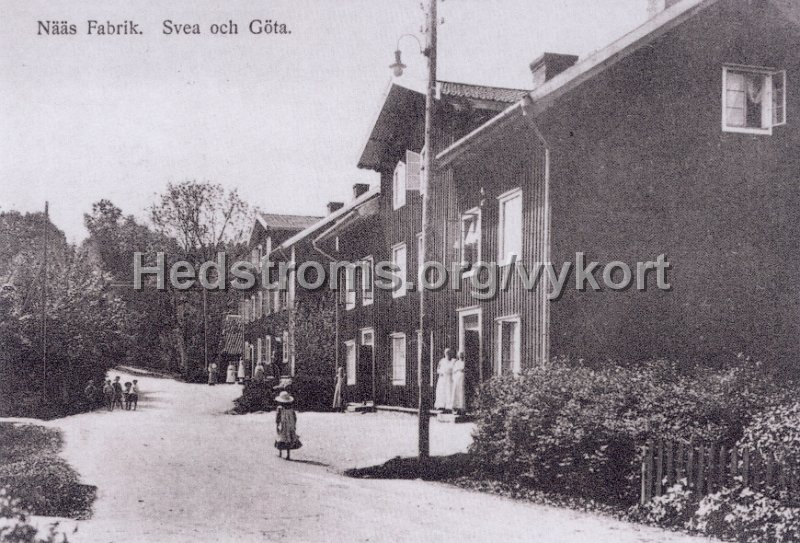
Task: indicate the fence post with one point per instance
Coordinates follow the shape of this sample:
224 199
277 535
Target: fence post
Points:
679 462
770 460
691 481
746 467
734 464
723 467
647 471
659 475
701 469
670 465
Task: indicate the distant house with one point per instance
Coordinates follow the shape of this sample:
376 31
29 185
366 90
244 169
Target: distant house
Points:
262 335
232 348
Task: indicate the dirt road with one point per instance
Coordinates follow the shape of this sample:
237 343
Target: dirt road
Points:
179 469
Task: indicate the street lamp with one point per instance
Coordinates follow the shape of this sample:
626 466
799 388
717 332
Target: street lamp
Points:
423 371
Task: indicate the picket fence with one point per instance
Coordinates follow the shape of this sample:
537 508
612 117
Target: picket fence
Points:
708 469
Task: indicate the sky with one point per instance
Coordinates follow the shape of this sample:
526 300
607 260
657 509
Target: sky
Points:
283 118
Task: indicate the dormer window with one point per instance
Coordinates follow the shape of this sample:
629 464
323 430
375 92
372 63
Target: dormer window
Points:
753 99
399 186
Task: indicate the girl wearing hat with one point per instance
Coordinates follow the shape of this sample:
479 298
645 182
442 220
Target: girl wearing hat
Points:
286 425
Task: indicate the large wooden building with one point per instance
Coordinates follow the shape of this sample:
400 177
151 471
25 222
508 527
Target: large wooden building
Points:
675 140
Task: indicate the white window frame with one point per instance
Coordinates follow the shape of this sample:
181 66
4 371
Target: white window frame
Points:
350 287
368 333
368 295
503 200
258 350
399 370
516 365
350 364
768 110
399 185
474 212
403 271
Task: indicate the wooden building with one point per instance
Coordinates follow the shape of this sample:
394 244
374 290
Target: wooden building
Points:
677 139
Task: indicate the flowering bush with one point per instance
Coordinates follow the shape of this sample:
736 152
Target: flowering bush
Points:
16 528
745 516
672 509
577 428
776 430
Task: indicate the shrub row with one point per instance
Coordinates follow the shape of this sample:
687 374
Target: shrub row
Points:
576 429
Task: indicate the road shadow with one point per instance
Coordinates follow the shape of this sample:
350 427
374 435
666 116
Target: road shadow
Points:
435 468
310 462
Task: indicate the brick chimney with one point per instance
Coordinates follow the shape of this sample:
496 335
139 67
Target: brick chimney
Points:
359 189
549 65
334 207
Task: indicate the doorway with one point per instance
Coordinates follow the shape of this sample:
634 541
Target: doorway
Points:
366 366
470 343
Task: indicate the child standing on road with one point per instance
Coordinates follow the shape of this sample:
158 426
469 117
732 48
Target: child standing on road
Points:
286 426
108 395
135 394
127 395
117 387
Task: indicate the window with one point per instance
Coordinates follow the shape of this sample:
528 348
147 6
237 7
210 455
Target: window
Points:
350 287
471 237
399 186
367 286
260 305
507 357
285 345
276 300
413 171
753 99
258 351
266 296
350 357
398 359
267 349
399 259
509 241
247 350
253 304
368 337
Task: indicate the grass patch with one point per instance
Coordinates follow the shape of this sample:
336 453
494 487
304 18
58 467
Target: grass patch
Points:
33 472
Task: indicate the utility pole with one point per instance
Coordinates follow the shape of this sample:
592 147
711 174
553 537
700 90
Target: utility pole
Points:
424 370
44 302
205 327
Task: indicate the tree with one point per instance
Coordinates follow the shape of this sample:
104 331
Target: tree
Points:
203 219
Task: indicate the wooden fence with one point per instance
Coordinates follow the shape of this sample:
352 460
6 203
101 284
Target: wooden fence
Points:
708 469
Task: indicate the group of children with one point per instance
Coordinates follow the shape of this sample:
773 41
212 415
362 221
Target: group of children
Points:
114 394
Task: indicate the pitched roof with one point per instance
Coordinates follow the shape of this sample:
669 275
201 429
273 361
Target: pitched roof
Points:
286 222
543 97
399 119
330 219
232 335
481 92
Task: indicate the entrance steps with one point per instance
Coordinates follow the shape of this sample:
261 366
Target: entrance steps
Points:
365 407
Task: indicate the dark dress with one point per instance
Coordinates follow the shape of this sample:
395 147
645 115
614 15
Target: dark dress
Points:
286 420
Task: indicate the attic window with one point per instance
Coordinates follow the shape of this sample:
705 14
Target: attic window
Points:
753 99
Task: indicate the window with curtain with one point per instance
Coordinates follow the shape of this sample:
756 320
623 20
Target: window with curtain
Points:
400 260
471 237
510 227
367 286
753 100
